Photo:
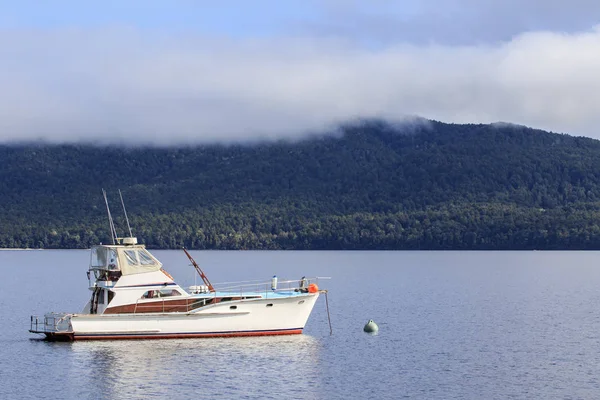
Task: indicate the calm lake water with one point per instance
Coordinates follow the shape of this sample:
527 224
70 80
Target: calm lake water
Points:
453 325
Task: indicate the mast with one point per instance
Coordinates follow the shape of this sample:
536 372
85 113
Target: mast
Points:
125 211
113 231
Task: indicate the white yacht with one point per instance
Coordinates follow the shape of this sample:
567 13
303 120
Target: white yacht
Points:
133 297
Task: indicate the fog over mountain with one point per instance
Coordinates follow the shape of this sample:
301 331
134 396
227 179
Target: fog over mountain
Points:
108 80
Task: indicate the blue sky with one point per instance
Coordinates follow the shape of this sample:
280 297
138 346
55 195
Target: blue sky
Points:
220 18
225 17
456 21
185 71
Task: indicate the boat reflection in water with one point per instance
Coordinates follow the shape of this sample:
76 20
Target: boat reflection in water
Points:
254 367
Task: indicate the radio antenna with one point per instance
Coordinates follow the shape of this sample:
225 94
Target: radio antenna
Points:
113 232
125 212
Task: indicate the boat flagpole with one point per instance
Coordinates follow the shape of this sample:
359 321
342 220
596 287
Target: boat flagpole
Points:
125 212
113 231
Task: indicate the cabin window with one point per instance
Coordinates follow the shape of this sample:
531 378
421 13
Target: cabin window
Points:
233 307
146 258
111 294
98 257
270 305
102 257
101 296
131 257
113 260
151 294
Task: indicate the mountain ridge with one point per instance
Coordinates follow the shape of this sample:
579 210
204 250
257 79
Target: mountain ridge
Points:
372 185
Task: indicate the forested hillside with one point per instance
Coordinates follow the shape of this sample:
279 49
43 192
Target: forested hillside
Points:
371 185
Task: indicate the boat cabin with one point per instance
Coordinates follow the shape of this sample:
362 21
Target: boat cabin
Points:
108 263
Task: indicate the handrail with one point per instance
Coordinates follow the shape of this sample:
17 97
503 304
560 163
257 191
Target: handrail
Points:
259 284
194 301
32 319
52 322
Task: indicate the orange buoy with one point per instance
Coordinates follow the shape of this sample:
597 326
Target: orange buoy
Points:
313 288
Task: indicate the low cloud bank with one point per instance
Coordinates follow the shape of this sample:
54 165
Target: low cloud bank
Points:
123 85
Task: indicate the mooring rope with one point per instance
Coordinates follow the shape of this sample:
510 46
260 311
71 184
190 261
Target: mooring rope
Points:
328 316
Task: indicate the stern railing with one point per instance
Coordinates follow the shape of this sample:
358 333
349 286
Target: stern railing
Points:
52 322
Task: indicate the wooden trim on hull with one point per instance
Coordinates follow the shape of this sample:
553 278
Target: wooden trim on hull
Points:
169 304
132 336
180 305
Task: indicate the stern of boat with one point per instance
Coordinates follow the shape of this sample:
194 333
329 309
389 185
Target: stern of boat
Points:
56 326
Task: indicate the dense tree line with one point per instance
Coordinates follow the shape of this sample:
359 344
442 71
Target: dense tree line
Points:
369 185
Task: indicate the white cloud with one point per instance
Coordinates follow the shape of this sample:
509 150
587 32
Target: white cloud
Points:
125 85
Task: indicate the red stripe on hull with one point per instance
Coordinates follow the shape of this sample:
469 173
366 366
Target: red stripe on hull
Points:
185 335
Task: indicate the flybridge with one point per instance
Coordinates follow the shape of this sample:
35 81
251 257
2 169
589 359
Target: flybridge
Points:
125 256
128 259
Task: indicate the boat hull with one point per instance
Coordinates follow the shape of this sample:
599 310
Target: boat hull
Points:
256 317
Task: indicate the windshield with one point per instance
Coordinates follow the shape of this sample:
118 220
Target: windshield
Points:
104 258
